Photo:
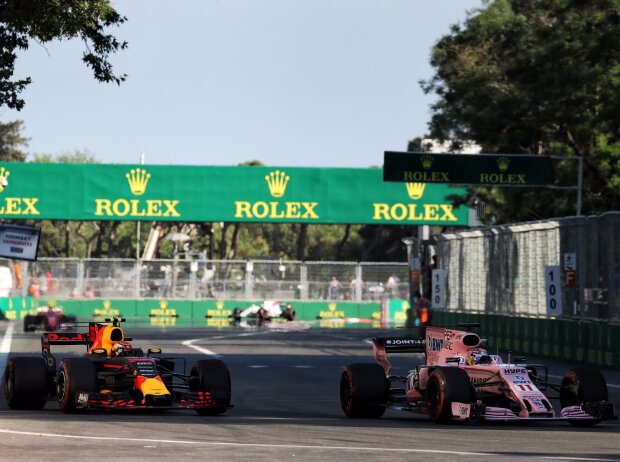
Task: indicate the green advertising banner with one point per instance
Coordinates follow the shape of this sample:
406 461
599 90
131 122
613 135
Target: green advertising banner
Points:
202 193
470 169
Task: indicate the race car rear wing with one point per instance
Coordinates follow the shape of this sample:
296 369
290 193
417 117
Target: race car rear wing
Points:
400 344
64 338
383 345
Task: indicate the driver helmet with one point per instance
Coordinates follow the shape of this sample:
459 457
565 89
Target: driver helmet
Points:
122 349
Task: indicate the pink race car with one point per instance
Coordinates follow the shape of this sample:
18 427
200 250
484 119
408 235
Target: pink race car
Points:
460 380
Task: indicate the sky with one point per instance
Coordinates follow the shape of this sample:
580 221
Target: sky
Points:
314 83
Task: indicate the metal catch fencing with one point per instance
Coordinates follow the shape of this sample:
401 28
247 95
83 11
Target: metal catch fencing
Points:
203 279
501 269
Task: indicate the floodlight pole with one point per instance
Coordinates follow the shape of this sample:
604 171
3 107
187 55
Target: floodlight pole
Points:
413 263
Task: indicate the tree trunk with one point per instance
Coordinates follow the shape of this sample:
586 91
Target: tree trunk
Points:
112 238
375 240
88 239
301 242
234 240
99 244
343 241
223 243
67 239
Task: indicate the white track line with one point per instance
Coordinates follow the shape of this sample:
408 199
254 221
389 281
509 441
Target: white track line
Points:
190 343
206 351
290 446
5 346
251 445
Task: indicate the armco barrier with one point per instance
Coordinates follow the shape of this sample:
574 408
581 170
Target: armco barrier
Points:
590 343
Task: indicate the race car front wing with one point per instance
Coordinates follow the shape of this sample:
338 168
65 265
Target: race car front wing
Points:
592 410
122 400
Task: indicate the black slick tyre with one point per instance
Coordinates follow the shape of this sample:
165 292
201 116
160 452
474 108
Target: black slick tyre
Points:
582 385
363 390
28 323
212 376
25 383
447 385
74 376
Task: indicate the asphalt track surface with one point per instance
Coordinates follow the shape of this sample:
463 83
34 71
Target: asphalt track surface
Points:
286 407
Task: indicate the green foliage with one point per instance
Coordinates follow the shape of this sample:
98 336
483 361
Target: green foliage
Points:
48 20
68 157
536 77
10 141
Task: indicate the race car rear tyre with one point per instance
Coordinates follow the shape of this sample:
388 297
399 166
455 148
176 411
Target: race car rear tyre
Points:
447 385
74 376
25 383
211 375
28 323
582 385
363 390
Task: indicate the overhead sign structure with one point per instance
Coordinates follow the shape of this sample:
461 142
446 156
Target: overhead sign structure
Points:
19 242
468 169
221 194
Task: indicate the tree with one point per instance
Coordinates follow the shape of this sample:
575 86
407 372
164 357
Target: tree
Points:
68 157
47 20
10 141
541 78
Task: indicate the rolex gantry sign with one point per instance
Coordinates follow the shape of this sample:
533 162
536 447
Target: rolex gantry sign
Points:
186 193
273 208
135 207
468 169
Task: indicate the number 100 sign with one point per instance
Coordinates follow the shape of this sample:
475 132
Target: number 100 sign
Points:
553 285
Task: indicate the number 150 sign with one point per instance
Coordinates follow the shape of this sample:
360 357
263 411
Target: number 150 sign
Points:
554 290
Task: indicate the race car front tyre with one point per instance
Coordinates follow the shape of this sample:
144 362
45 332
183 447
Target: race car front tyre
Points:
582 385
211 375
363 390
447 385
74 376
25 383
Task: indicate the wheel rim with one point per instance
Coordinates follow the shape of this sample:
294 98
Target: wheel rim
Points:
434 397
346 392
569 394
8 384
61 387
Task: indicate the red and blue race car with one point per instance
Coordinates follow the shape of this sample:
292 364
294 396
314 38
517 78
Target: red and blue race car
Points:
460 380
114 375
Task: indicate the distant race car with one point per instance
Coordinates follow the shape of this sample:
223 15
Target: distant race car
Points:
114 375
50 318
267 311
460 380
